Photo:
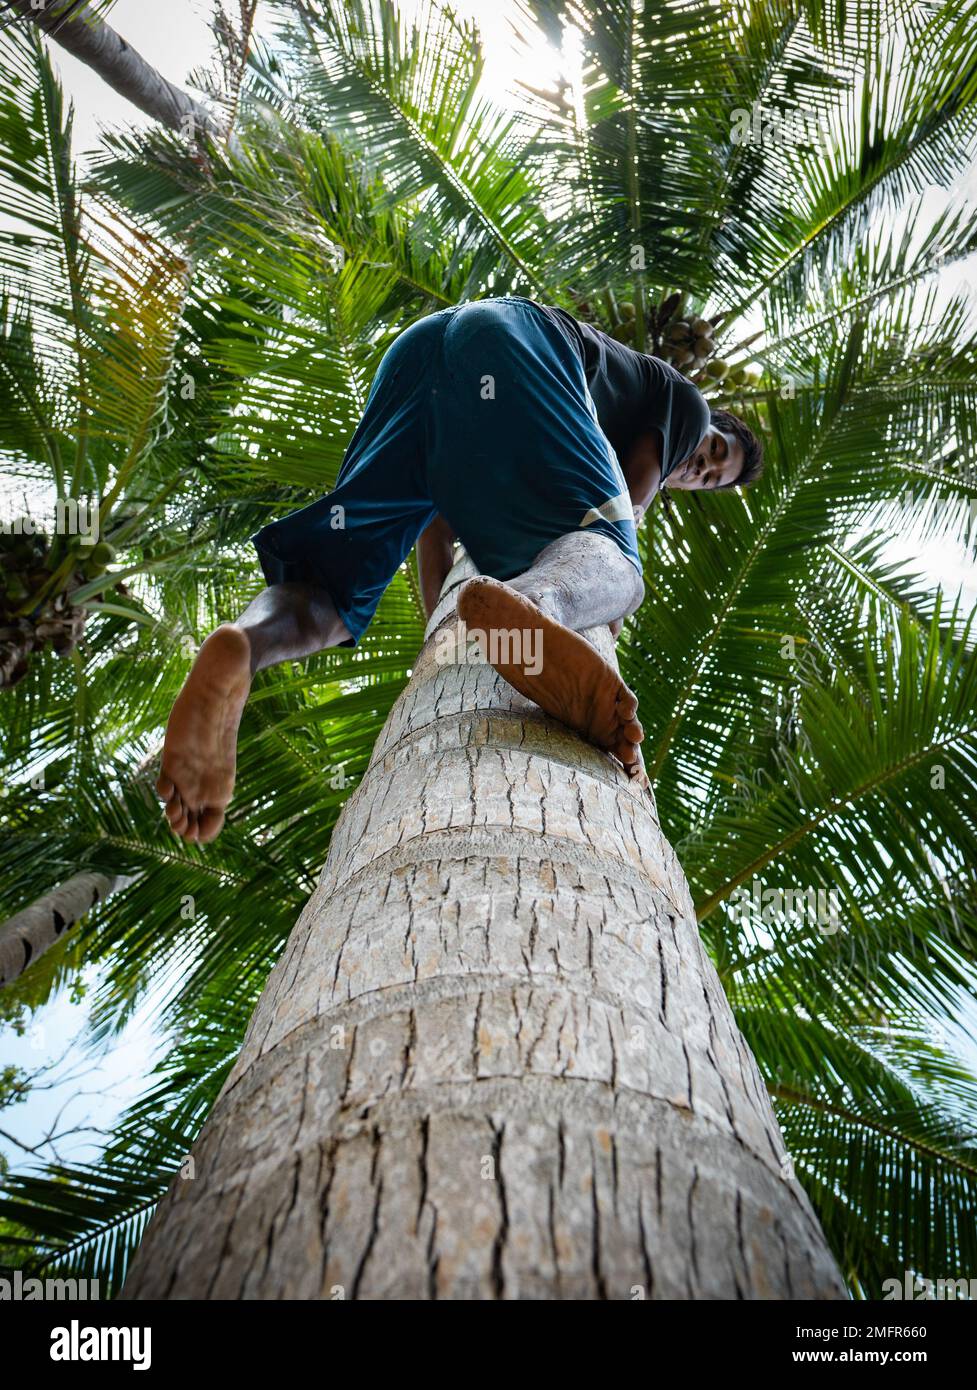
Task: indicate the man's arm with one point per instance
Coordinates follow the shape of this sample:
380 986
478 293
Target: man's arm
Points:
435 556
643 470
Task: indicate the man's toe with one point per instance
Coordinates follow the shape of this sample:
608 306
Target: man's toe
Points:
626 753
627 703
210 825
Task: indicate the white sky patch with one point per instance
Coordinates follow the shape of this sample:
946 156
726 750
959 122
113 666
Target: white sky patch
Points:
80 1094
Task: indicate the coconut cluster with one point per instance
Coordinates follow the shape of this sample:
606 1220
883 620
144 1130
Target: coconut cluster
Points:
689 345
27 561
685 341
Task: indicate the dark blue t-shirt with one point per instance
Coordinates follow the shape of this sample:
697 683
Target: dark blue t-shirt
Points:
635 392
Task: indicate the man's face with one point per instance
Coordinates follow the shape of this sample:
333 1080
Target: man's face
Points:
717 460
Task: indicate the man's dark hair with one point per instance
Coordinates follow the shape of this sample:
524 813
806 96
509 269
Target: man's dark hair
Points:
728 423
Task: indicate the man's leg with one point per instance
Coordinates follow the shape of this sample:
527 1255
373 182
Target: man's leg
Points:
284 623
578 581
583 581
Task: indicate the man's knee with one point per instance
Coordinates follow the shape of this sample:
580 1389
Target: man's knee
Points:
628 579
638 591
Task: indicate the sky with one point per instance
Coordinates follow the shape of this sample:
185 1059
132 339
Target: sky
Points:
174 36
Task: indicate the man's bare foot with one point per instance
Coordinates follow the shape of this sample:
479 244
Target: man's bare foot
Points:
574 683
200 752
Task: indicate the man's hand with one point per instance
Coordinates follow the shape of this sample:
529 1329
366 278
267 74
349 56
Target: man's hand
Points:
639 516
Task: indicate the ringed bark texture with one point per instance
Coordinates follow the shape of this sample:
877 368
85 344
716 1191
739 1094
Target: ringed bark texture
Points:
78 29
494 1060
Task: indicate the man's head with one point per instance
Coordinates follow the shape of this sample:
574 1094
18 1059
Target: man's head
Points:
729 456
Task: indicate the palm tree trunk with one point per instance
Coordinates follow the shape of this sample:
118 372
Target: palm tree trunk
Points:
28 934
494 1060
80 31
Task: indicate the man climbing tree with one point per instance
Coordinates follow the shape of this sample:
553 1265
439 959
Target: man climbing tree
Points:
536 439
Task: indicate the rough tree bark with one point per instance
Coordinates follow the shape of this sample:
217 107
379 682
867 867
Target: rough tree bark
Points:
28 934
80 32
494 1061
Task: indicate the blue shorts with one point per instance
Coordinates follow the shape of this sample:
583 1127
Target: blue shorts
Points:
480 412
